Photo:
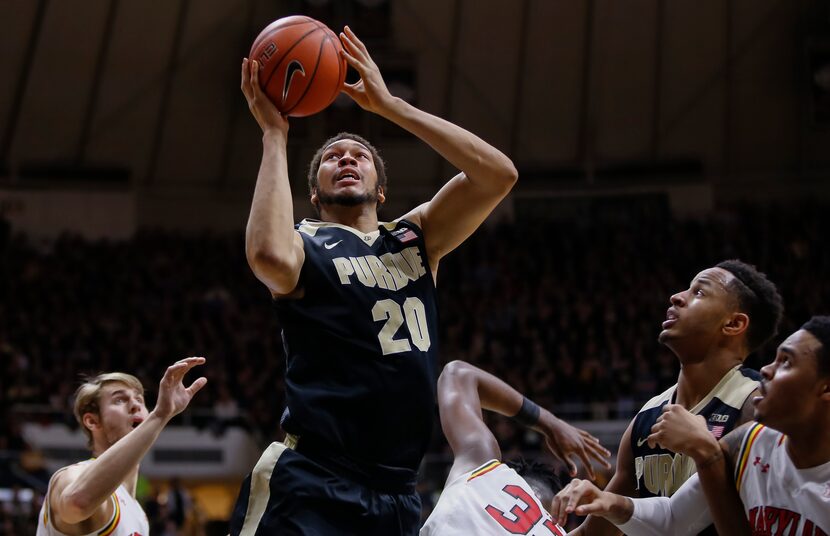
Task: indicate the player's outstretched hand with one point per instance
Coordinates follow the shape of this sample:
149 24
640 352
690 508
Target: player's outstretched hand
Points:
571 444
173 395
678 430
370 92
263 110
583 498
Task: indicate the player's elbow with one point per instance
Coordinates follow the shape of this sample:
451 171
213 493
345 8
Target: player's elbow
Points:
279 272
454 372
76 507
270 260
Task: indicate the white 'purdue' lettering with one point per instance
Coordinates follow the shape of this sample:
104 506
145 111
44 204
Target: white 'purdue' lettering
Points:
391 271
662 474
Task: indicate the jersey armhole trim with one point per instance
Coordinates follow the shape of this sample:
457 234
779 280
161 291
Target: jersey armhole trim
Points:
746 447
484 469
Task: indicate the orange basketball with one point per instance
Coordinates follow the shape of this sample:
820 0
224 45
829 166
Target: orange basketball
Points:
301 70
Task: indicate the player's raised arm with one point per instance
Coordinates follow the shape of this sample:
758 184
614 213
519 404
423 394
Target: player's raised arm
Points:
487 174
81 491
464 390
274 250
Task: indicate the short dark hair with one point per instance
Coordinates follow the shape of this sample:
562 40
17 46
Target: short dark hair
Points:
540 476
314 166
759 298
819 327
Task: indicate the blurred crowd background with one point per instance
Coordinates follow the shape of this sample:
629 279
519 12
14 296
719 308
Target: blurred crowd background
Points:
567 312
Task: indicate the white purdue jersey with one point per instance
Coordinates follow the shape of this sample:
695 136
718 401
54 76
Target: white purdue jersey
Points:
128 518
777 497
491 500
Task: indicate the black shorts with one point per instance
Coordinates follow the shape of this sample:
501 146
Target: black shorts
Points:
288 493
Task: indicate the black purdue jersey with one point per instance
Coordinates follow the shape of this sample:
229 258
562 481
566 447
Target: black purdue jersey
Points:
361 340
660 472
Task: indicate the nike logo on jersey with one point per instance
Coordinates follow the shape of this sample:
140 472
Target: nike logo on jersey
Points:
640 442
329 246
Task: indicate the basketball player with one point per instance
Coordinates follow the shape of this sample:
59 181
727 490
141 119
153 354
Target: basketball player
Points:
482 495
727 312
356 301
98 496
766 477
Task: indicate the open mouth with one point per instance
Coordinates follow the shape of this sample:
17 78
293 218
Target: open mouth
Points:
671 318
348 175
137 422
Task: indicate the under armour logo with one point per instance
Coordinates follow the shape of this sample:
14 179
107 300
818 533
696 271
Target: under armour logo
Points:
764 466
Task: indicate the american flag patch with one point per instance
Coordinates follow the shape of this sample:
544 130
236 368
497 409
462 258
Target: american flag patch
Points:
405 235
717 431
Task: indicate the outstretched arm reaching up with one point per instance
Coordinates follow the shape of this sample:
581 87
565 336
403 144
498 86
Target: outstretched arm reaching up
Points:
464 390
463 203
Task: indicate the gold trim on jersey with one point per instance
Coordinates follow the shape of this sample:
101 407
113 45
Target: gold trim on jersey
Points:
110 527
260 491
310 227
733 390
749 440
484 469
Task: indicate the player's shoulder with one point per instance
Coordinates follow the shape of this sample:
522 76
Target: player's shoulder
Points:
736 386
659 400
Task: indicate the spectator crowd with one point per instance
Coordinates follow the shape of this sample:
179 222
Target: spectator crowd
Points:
566 311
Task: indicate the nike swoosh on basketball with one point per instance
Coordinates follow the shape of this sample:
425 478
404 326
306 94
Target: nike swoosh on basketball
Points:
641 441
329 246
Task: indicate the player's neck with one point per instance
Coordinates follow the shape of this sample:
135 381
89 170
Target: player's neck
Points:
364 217
698 378
810 446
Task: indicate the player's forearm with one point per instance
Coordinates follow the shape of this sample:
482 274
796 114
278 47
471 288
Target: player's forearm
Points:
494 394
685 513
270 231
723 499
480 161
100 479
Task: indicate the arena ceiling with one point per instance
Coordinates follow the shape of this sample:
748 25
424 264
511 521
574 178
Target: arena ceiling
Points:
146 93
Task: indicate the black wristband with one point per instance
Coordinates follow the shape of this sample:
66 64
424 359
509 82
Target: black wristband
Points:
529 414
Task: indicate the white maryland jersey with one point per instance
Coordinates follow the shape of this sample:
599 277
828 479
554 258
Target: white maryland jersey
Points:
491 500
128 518
777 497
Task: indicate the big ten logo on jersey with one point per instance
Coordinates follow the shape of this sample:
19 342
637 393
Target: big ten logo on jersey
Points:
771 520
391 271
524 516
662 474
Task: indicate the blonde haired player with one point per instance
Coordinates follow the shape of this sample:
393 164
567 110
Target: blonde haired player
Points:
97 496
766 477
484 496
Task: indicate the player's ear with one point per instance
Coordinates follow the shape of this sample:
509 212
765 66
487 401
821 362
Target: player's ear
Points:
314 199
825 388
91 421
381 195
738 323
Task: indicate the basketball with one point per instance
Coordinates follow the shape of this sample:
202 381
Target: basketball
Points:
301 68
